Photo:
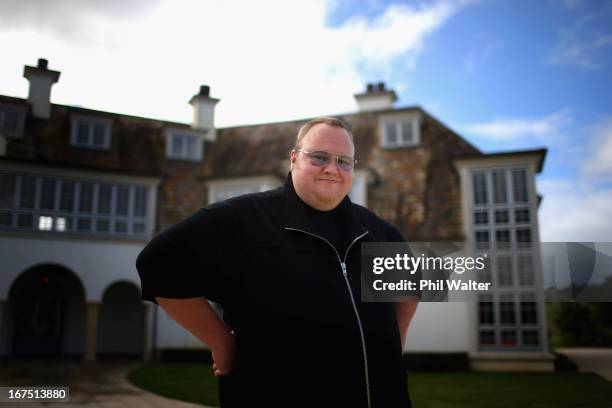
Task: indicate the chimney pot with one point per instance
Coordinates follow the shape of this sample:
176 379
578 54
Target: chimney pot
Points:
43 63
381 87
370 88
204 90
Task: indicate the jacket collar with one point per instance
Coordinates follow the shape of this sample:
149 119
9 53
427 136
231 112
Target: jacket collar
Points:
298 214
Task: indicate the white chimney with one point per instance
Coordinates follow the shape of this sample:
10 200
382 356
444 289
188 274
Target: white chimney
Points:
41 80
204 112
376 97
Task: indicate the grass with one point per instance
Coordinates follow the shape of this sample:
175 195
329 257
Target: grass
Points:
196 383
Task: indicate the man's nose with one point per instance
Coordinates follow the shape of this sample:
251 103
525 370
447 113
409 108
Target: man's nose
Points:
331 166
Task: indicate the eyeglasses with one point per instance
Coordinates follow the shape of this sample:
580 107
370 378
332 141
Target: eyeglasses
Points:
322 158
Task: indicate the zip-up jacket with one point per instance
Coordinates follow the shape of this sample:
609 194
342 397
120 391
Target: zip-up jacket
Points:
293 300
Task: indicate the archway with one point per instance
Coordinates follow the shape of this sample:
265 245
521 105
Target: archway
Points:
47 314
121 321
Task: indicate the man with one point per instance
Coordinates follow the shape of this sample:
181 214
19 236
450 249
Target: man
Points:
284 265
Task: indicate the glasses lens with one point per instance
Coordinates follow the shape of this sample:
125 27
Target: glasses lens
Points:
345 163
319 158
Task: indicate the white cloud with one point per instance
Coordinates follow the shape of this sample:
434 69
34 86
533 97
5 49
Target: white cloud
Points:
574 210
582 44
505 129
267 60
599 162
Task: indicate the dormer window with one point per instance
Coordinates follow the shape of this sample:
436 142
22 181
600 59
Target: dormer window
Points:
184 145
400 131
91 133
11 121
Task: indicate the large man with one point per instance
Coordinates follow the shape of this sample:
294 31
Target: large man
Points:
284 265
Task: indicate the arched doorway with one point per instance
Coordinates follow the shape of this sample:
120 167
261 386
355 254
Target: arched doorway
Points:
47 312
121 321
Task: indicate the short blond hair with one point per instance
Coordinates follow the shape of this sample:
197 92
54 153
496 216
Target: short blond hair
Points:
326 120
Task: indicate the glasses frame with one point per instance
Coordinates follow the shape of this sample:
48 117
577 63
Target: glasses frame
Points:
336 156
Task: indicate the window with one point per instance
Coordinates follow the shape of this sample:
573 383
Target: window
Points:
11 121
486 338
504 271
525 270
43 203
184 145
482 239
92 133
531 338
519 185
479 182
501 216
523 238
499 187
400 133
486 309
529 314
502 239
506 310
481 217
521 215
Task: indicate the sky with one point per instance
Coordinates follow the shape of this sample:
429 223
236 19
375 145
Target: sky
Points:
504 74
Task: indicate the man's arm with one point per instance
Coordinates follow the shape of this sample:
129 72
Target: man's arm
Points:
405 310
199 318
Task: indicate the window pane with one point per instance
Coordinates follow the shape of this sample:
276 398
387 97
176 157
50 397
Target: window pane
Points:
499 187
86 198
121 227
62 224
123 195
531 338
391 133
482 239
177 145
502 239
104 198
486 309
45 223
138 228
506 310
504 271
6 218
99 133
28 187
481 217
84 225
486 338
7 190
407 137
479 182
528 307
82 136
67 195
47 194
519 185
25 220
508 338
102 225
525 270
9 122
521 215
501 217
192 149
140 202
523 237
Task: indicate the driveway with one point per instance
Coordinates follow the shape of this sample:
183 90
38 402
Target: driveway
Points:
592 360
99 385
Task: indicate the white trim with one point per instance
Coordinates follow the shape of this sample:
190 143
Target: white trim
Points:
90 121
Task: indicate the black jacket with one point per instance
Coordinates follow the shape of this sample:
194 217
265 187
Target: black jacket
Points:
304 338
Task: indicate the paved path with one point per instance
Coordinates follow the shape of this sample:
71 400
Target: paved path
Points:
592 360
100 385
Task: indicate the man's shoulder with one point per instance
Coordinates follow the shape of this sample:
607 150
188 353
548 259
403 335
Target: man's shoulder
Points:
380 228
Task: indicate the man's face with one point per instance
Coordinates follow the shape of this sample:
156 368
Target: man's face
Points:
322 187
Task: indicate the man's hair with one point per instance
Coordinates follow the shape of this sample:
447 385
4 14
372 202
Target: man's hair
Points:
322 120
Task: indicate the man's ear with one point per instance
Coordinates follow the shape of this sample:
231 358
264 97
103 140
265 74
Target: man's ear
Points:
293 158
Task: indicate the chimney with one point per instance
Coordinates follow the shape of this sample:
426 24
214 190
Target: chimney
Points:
204 112
376 97
41 80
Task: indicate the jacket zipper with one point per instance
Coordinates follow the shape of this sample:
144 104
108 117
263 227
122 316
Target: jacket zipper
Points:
350 291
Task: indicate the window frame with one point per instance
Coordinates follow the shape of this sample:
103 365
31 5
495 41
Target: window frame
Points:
91 122
399 121
185 155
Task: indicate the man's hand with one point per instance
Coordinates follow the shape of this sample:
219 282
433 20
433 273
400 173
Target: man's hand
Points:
225 357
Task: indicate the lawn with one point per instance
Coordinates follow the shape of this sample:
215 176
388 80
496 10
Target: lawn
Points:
195 383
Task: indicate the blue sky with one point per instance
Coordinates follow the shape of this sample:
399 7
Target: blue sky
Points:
504 74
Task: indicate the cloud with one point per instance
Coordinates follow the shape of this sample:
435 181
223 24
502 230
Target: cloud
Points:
477 58
268 60
599 162
505 129
574 210
583 43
